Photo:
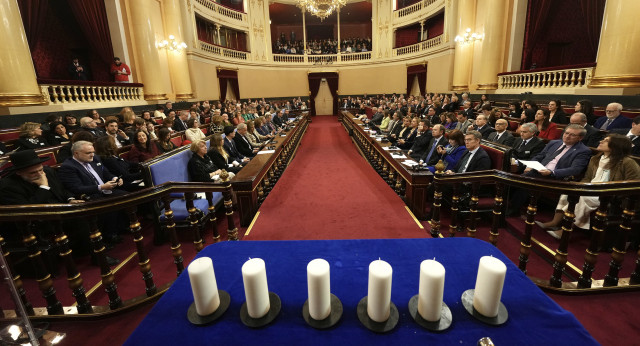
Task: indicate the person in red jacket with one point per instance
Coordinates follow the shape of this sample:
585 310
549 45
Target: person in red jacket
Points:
120 71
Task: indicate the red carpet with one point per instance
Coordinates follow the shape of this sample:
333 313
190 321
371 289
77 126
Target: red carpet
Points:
329 191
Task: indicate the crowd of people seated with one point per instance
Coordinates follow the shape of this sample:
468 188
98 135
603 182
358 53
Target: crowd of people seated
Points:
563 144
327 46
100 157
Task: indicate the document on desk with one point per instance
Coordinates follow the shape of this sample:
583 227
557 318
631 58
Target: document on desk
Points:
409 162
266 152
389 148
533 165
398 156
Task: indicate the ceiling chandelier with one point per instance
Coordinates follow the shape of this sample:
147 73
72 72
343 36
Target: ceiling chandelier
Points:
321 8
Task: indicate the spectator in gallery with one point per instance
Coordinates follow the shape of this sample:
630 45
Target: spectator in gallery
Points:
58 134
164 142
120 71
31 137
77 71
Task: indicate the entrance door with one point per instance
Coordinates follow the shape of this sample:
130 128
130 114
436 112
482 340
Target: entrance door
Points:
324 99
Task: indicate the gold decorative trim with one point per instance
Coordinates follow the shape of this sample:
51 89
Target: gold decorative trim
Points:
11 100
626 81
488 86
152 97
184 96
459 87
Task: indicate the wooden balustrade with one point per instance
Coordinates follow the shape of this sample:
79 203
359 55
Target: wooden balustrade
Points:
626 191
572 78
61 92
222 51
23 216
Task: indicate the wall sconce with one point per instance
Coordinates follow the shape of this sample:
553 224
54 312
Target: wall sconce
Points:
172 44
468 37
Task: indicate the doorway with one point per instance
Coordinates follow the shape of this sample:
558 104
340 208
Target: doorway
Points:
324 99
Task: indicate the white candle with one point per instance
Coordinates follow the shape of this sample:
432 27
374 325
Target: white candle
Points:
256 291
204 286
489 283
431 290
319 289
379 295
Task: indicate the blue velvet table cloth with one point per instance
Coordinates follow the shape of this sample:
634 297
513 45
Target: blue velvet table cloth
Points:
533 317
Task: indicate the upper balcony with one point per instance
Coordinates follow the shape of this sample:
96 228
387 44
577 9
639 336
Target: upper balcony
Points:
222 15
416 12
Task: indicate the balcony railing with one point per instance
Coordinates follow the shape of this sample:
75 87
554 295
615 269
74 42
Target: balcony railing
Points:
418 47
224 11
320 59
222 51
403 12
61 92
574 77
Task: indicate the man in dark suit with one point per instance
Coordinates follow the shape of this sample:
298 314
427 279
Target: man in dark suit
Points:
593 136
502 136
397 127
242 143
421 143
180 124
432 116
431 156
613 120
83 174
89 124
475 159
527 145
467 110
633 134
561 158
483 127
120 138
230 145
377 116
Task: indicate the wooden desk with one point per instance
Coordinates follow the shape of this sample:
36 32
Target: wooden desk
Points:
411 186
254 182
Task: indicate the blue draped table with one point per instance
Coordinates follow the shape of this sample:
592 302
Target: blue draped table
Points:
533 317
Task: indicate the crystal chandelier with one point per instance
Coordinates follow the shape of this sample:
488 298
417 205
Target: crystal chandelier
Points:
321 8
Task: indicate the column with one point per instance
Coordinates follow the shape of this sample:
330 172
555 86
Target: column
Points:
147 52
218 34
178 66
18 84
421 30
464 52
493 44
304 30
338 48
619 46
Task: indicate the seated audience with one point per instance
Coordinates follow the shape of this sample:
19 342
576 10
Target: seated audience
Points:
31 137
452 153
216 124
482 126
253 129
450 120
612 163
515 110
613 120
58 134
529 109
200 166
96 116
159 112
402 132
421 143
527 145
593 136
143 148
180 123
167 123
237 119
230 145
433 117
502 135
395 125
463 123
484 100
151 131
384 124
164 142
242 142
431 156
633 135
219 155
556 113
225 120
89 125
475 159
405 141
120 137
71 123
586 107
129 172
467 110
65 151
193 132
546 129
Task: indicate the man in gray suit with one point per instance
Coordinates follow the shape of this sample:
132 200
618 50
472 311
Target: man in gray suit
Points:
463 123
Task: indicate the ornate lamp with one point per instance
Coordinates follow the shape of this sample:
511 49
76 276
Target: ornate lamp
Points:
321 8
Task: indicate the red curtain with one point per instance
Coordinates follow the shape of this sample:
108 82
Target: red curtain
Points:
537 22
230 76
92 18
421 72
592 12
33 14
407 36
314 85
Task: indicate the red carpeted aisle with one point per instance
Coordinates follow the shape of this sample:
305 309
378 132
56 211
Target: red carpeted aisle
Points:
329 191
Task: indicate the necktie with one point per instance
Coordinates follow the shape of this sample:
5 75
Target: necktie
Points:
433 147
498 136
632 137
523 144
557 152
464 162
606 124
96 177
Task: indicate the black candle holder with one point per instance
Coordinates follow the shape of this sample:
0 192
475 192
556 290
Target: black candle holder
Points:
274 309
437 326
198 320
329 321
377 327
467 302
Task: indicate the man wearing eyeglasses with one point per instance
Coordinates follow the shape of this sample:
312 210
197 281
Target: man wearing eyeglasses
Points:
613 120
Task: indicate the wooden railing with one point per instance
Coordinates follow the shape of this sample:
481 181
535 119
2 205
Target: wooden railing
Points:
222 51
321 59
224 11
55 213
64 92
403 12
574 78
418 47
623 194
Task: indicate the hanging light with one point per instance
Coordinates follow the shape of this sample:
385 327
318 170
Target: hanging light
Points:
321 8
171 44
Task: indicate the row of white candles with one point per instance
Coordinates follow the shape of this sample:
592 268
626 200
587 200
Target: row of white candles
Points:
486 299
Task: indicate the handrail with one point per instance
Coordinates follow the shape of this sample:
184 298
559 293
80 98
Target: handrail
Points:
582 280
418 47
223 10
55 213
572 77
222 51
63 92
413 8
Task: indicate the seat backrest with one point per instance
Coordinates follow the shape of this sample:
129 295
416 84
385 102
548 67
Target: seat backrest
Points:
9 134
172 167
500 156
